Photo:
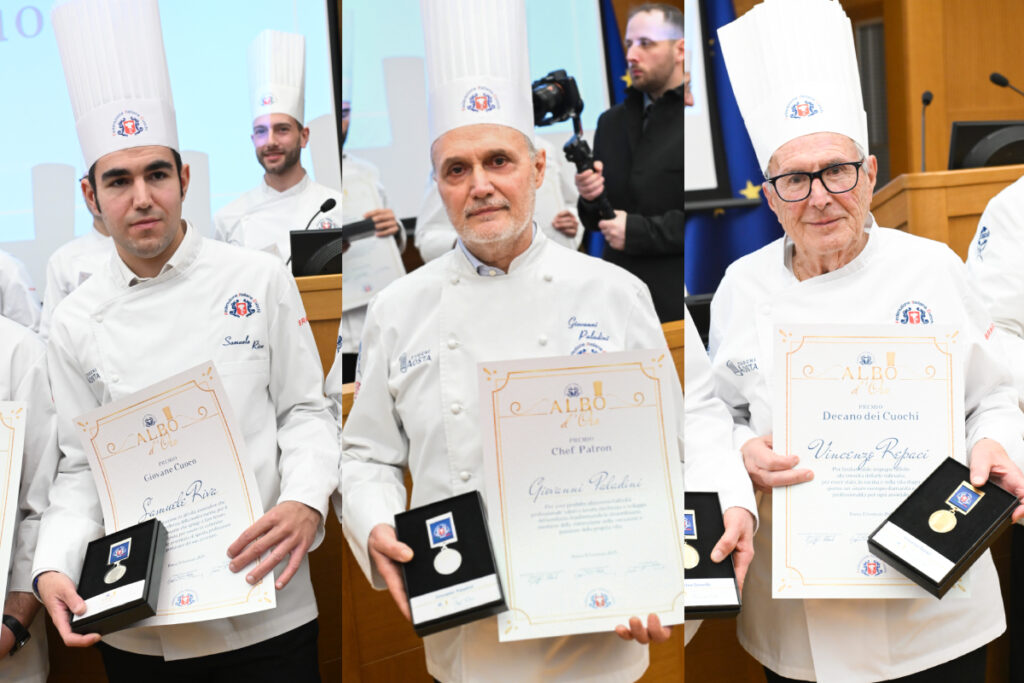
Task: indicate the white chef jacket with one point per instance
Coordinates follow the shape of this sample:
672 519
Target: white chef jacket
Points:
68 267
857 641
18 299
712 462
416 405
263 218
436 235
361 191
23 378
332 385
994 269
110 338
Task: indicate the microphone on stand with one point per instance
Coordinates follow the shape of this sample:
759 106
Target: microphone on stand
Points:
926 99
324 208
1003 82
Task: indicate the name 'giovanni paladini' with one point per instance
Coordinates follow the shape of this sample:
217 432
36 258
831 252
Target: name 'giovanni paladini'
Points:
887 448
601 481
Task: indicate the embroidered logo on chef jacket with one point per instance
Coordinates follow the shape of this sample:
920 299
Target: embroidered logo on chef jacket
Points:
599 599
982 241
742 367
871 566
338 350
803 106
914 313
406 362
241 305
129 123
480 99
326 224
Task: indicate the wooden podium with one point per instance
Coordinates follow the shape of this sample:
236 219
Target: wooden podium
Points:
941 205
380 646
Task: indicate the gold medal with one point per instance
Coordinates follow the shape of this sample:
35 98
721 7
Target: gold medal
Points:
691 558
962 500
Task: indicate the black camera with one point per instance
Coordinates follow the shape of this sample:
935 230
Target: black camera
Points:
555 99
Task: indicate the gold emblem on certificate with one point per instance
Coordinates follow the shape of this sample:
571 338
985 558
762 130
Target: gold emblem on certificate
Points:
691 558
118 552
442 533
962 500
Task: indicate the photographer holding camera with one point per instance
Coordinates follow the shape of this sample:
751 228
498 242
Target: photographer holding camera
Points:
639 151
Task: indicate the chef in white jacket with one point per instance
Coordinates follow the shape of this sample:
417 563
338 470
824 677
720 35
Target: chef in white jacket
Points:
287 199
555 209
994 269
23 653
504 292
18 299
71 265
805 117
168 300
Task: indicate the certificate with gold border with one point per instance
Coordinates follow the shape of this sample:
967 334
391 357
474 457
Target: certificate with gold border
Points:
174 451
12 443
584 491
872 410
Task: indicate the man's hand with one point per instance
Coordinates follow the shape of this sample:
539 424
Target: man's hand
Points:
591 183
286 529
768 470
384 221
61 599
385 551
990 461
565 223
614 230
653 633
738 536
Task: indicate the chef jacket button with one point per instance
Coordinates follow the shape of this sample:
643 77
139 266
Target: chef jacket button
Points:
453 343
766 309
456 408
455 279
542 339
464 475
548 277
98 317
115 378
492 272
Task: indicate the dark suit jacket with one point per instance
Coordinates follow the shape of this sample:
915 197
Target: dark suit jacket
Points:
643 171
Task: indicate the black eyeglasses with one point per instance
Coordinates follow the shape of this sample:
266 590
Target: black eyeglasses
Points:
837 179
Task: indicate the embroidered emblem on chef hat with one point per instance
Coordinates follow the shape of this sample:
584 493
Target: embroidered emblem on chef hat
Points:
803 106
268 99
871 566
241 305
480 99
128 123
914 313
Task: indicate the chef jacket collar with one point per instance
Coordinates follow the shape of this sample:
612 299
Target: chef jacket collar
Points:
789 249
484 269
297 188
184 255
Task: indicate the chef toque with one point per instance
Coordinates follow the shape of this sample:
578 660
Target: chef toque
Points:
347 59
114 64
478 64
793 70
277 74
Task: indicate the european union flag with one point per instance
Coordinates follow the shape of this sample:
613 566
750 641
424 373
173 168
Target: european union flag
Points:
716 239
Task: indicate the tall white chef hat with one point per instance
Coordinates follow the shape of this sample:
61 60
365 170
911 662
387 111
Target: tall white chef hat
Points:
793 69
478 64
277 74
114 64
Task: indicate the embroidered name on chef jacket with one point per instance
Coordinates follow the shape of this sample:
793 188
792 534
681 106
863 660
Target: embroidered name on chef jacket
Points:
742 367
588 334
982 241
406 361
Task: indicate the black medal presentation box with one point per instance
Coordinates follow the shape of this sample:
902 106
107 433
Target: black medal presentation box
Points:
710 589
120 580
451 579
942 528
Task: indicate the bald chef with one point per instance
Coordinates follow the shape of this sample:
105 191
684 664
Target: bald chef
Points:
504 292
835 265
287 199
159 307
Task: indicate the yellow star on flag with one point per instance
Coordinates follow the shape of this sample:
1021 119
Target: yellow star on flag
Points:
626 78
751 191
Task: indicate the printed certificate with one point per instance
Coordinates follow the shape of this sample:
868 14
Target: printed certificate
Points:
12 443
584 491
872 410
174 451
